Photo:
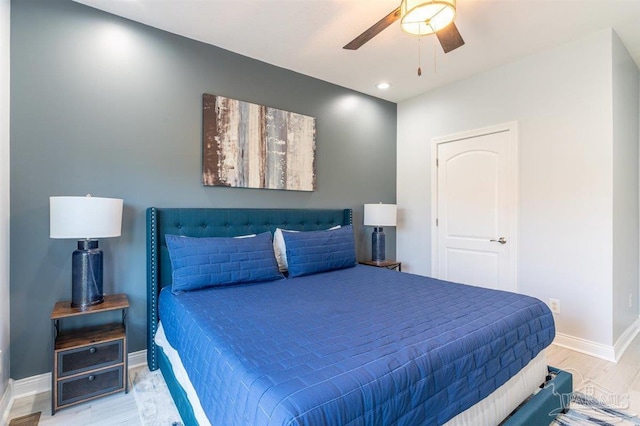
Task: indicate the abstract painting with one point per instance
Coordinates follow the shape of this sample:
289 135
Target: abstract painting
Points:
253 146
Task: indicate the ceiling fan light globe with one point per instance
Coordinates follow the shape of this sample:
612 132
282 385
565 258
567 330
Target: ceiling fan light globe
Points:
424 17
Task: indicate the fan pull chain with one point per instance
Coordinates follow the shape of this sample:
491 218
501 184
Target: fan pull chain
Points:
419 59
435 50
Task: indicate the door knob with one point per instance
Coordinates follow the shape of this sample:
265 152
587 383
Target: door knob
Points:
501 240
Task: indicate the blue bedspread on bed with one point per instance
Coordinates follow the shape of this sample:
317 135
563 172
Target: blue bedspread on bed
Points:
357 346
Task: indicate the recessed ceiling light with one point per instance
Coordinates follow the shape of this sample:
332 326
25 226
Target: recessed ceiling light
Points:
383 85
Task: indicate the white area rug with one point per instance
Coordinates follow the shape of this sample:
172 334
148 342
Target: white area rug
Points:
588 410
155 405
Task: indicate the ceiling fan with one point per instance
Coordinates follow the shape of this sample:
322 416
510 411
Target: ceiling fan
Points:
419 17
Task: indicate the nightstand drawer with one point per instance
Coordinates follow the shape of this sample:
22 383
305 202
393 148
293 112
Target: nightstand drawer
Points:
90 357
89 385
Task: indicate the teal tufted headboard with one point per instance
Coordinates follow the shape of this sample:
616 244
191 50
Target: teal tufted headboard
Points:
208 222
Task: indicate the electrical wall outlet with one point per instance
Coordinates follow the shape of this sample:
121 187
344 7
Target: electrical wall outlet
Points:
554 305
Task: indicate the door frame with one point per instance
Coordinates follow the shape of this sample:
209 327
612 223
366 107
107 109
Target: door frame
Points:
512 196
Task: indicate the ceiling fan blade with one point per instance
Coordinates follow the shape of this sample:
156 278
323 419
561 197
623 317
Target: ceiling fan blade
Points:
374 30
450 38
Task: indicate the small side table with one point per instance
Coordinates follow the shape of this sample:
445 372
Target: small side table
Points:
88 362
389 264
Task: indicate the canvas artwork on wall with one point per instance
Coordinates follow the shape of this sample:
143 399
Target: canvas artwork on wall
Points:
254 146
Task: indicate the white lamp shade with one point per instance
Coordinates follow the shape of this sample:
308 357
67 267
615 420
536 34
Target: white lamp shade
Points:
424 17
380 214
85 217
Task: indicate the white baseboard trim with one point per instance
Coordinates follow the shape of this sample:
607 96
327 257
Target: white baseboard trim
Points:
137 359
42 382
584 346
606 352
32 385
626 338
6 402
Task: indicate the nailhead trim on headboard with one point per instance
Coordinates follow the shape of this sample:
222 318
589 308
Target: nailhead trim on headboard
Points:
152 307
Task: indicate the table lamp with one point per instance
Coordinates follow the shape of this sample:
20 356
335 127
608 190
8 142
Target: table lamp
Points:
379 215
85 218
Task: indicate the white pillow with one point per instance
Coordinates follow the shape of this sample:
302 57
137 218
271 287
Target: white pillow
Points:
280 248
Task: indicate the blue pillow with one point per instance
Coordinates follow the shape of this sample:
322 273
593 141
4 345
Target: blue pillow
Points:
205 262
320 251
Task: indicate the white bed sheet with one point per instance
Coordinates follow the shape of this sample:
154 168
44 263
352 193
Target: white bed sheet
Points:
181 375
490 411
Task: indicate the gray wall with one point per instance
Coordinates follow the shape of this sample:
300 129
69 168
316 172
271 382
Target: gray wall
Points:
106 106
5 13
626 108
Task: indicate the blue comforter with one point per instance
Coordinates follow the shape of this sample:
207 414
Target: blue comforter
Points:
352 347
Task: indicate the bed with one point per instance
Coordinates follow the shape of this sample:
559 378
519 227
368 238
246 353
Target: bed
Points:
354 345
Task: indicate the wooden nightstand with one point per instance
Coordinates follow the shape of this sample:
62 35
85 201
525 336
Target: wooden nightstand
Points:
88 362
389 264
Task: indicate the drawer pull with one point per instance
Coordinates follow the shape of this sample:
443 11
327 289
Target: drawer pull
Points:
92 378
92 350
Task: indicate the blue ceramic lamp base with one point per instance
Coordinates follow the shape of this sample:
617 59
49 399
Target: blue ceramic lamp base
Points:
377 245
86 275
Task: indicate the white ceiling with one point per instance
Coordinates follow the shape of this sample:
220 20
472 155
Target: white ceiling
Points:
307 35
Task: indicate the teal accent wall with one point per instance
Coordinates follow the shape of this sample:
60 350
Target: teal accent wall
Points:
106 106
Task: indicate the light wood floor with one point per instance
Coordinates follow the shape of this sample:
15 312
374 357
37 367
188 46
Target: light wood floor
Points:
622 379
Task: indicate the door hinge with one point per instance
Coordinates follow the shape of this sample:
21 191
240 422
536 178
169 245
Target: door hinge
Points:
437 163
436 221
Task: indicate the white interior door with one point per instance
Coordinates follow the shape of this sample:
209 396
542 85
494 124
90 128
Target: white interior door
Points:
475 229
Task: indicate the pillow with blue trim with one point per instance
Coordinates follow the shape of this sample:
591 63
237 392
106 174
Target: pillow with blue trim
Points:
214 261
320 251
